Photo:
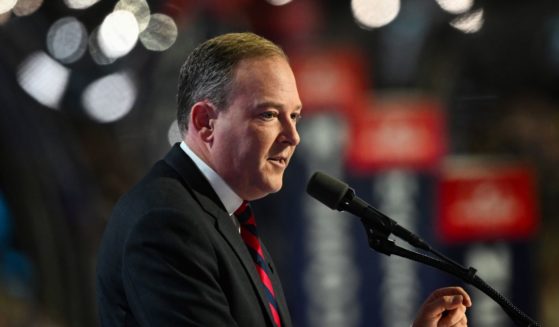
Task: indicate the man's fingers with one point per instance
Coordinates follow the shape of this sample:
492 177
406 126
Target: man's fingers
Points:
450 291
454 301
454 317
463 322
445 307
442 304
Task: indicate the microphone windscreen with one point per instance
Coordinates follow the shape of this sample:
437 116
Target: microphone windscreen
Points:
327 189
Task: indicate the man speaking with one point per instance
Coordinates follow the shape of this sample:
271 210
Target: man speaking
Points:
182 248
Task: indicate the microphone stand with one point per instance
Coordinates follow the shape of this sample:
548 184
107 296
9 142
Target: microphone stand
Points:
378 240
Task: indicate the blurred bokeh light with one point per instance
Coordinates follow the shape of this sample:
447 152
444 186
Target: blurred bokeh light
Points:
174 134
470 22
110 98
456 6
139 8
7 5
80 4
375 13
27 7
43 78
160 34
95 51
67 39
118 33
279 2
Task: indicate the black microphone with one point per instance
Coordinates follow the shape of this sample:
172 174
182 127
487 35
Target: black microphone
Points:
339 196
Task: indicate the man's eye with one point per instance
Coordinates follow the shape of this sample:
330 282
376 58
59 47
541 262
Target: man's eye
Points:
268 115
296 117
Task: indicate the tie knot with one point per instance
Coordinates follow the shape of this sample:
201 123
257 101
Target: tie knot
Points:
244 213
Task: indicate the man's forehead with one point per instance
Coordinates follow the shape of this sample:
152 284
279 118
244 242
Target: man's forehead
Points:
265 79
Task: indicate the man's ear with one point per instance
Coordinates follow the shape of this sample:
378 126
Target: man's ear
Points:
202 119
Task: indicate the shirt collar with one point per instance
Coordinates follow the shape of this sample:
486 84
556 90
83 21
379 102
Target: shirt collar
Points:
230 200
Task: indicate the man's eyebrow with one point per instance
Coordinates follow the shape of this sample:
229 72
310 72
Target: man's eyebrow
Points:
276 105
273 104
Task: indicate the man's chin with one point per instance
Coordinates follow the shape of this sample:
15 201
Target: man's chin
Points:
269 188
276 189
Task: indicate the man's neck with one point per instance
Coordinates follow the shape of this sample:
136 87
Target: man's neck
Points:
230 200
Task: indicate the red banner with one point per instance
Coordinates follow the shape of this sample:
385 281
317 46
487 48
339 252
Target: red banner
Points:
402 133
330 80
487 201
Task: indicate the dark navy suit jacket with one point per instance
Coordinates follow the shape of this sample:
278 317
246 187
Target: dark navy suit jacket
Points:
172 256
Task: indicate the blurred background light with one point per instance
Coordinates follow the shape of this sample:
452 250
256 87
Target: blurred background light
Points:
279 2
174 134
375 13
118 33
6 5
110 98
140 10
43 78
27 7
80 4
455 6
95 50
160 34
67 40
470 22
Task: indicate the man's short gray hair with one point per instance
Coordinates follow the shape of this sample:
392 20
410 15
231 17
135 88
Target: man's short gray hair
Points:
207 72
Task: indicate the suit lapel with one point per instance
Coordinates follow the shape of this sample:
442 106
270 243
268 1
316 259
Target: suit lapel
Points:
195 181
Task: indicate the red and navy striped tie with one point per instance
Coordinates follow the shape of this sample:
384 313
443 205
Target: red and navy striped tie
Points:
250 237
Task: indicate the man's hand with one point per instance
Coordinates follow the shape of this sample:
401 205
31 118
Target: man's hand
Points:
445 307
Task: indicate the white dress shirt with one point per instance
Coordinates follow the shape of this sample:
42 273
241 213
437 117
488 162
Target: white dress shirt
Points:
230 200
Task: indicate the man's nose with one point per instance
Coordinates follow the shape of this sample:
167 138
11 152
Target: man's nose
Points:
290 133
